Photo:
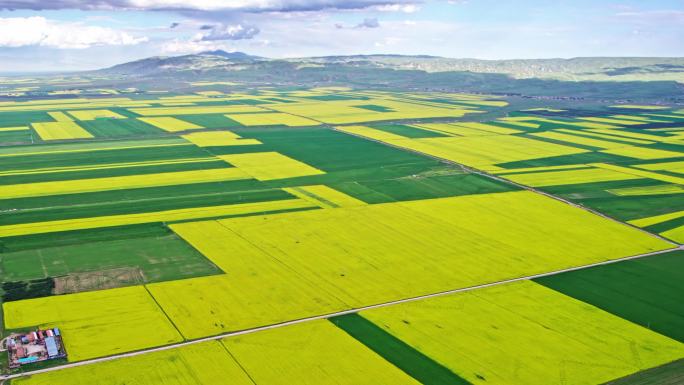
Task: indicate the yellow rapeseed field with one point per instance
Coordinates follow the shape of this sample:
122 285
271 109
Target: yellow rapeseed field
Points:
313 353
467 129
170 124
253 292
324 196
97 323
676 166
585 124
525 334
563 177
676 234
648 221
619 134
595 134
156 216
486 150
90 146
578 139
451 129
218 138
7 129
488 128
73 104
471 150
60 116
48 170
270 165
256 289
648 190
61 130
641 173
505 171
345 111
359 255
206 363
643 153
95 114
120 182
274 118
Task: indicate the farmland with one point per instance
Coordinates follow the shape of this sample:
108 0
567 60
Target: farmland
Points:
340 235
130 312
478 336
202 364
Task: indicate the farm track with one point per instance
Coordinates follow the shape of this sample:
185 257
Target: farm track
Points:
329 315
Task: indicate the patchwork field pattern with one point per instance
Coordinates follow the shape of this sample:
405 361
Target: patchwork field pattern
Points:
167 217
352 255
155 216
523 333
612 165
302 354
120 182
644 291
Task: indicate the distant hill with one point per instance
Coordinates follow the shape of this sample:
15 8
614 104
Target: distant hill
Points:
652 80
575 69
583 68
203 61
231 55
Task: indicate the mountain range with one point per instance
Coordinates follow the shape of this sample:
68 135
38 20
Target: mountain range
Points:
574 69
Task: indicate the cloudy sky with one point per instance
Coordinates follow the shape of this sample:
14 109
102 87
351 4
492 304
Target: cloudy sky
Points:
43 35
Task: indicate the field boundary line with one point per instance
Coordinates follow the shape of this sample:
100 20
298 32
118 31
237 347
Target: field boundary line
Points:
334 314
164 311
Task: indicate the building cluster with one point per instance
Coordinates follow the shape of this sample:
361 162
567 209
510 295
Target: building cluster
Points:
35 346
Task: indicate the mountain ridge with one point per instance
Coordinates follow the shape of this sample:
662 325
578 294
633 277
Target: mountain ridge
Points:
572 69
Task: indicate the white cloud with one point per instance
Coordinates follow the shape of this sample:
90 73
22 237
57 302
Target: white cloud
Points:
406 8
228 32
39 31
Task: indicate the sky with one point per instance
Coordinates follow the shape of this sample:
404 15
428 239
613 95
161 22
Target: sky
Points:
61 35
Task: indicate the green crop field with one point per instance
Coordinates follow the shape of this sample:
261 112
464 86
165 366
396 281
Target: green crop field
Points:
644 291
157 252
